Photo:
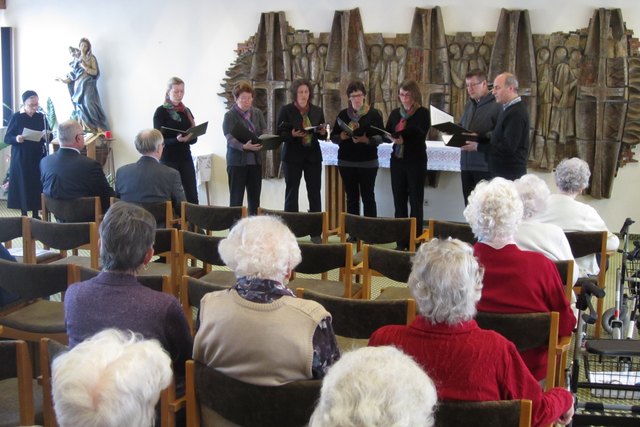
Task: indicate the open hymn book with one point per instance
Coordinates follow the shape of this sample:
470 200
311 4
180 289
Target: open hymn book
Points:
455 135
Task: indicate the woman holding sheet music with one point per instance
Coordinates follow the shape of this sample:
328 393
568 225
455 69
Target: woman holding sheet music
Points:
169 118
244 162
358 153
26 152
408 125
300 124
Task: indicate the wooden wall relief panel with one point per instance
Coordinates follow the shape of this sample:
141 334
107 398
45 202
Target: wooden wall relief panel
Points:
582 86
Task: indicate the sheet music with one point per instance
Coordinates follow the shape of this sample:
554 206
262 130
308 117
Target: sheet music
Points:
32 135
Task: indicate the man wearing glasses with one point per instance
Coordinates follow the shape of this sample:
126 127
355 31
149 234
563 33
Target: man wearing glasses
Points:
67 174
509 145
479 116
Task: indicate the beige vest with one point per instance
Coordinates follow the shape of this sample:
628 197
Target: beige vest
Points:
263 344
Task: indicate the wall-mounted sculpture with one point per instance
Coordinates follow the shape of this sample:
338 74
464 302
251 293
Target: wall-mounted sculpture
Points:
582 87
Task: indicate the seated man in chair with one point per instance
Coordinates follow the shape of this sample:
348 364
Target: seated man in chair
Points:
147 180
67 174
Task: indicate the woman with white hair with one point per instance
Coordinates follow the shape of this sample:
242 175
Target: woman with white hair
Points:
375 387
572 177
515 281
464 361
258 332
536 236
111 379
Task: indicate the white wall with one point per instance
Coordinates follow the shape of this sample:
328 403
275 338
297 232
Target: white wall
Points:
141 43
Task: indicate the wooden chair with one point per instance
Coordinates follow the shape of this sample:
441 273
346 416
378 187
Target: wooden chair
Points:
585 243
376 231
191 292
11 229
209 218
528 331
35 317
303 224
161 211
444 229
204 248
165 245
62 237
501 413
354 320
320 258
565 269
20 396
213 394
83 209
49 350
390 263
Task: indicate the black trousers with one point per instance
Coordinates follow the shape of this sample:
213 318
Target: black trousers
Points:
407 184
469 181
245 177
313 179
360 183
188 178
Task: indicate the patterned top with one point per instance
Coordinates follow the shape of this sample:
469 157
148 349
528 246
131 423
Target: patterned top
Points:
325 347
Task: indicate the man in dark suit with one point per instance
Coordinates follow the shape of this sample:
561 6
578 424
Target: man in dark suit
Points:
67 174
147 180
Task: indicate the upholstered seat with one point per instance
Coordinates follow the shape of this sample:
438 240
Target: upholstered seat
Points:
502 413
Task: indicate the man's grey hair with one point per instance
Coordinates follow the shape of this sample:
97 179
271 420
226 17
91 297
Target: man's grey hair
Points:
67 132
148 141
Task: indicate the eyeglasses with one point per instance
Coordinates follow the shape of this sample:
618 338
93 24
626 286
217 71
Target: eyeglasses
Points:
470 85
356 96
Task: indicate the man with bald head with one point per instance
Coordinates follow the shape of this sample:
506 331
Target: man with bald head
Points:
67 174
509 146
147 180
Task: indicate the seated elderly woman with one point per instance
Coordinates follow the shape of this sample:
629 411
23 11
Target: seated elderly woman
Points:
536 236
115 299
572 177
375 387
258 332
464 361
88 386
515 281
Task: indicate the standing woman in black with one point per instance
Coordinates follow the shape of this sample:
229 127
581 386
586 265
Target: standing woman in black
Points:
177 152
301 152
409 125
358 154
24 172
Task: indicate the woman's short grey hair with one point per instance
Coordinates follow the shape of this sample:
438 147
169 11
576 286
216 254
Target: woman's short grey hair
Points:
446 281
534 194
260 247
375 387
112 379
494 211
148 141
126 234
572 175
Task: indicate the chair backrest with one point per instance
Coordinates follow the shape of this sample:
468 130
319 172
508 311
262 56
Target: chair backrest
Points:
527 331
565 269
156 282
396 265
501 413
82 209
287 405
10 228
32 281
457 230
303 224
191 292
16 363
201 247
49 350
161 211
378 230
359 318
320 258
166 245
61 236
210 218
